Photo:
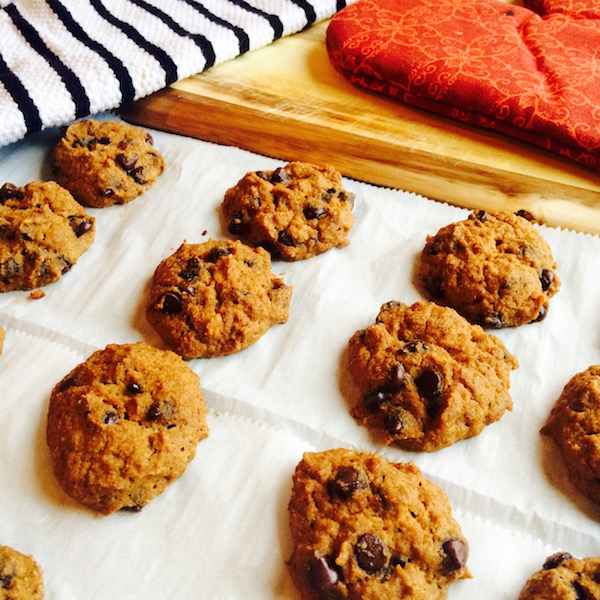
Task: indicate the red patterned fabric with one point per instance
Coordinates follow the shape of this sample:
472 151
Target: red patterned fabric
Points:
532 75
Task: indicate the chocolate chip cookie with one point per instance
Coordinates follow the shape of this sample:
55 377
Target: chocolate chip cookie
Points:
295 212
427 377
123 425
43 232
574 425
496 269
564 578
21 577
364 528
105 163
215 298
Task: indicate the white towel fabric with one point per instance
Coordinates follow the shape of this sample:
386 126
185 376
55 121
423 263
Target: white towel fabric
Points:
65 59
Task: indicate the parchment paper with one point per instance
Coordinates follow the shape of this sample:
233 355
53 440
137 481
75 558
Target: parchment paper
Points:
221 530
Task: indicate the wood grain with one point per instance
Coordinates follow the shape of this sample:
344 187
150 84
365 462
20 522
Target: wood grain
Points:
286 101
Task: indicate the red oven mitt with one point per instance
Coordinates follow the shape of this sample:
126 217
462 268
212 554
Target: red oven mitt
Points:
532 75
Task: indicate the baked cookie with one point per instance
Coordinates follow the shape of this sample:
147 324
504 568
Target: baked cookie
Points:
43 232
21 577
573 424
104 163
494 268
215 298
123 425
427 376
364 528
564 578
295 212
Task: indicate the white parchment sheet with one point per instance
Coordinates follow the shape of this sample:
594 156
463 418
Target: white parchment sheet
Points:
221 530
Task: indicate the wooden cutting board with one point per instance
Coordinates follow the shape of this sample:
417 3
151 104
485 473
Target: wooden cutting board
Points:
286 101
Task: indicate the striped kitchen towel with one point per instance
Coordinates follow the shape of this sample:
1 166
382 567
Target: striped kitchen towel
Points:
65 59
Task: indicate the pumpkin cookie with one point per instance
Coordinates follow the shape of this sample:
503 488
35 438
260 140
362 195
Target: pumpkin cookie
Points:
295 212
364 528
215 298
574 425
43 232
564 578
123 425
21 577
104 163
428 377
494 268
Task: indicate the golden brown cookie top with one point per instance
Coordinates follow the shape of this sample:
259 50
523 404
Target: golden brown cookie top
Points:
295 212
105 162
365 528
43 232
564 577
123 425
216 298
21 577
573 424
494 268
427 377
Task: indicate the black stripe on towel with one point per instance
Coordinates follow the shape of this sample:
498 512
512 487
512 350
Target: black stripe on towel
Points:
200 41
19 94
242 36
166 62
72 83
274 20
118 68
309 11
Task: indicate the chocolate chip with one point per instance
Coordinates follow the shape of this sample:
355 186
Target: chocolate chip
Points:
415 346
582 593
481 216
237 225
26 237
171 303
456 552
110 417
375 400
6 579
80 225
134 388
66 264
346 482
137 174
216 253
430 384
433 285
149 139
370 552
542 314
525 214
191 269
154 413
9 269
393 423
108 193
104 140
327 194
494 321
320 575
285 239
8 191
127 164
67 382
556 559
546 277
396 378
279 176
314 212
